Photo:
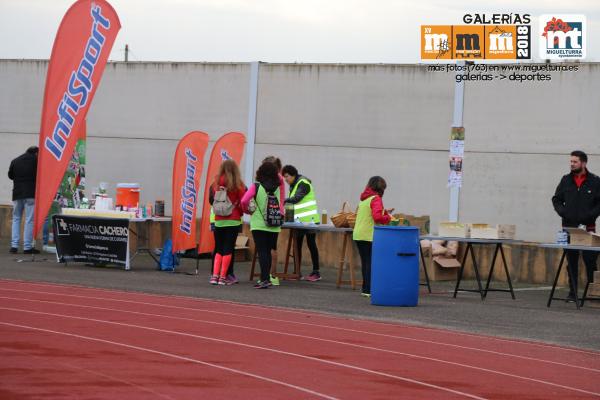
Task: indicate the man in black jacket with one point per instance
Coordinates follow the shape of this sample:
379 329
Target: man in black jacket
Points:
577 201
22 172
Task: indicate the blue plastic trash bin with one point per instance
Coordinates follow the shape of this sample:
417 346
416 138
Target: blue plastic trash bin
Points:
395 266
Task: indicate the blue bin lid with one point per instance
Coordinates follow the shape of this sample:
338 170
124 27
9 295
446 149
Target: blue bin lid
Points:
397 228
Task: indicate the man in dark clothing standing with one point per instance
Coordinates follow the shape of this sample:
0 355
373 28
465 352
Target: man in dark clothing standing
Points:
22 172
577 201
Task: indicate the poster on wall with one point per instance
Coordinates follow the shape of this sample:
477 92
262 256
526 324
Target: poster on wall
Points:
457 154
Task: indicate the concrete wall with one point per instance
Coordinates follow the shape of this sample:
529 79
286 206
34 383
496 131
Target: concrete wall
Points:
139 113
339 124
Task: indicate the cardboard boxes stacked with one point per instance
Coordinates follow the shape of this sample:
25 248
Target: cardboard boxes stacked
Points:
422 222
485 231
580 237
477 231
454 229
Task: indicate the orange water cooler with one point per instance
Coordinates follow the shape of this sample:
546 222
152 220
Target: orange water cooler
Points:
128 195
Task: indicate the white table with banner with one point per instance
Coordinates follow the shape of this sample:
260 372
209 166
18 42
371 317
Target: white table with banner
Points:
83 236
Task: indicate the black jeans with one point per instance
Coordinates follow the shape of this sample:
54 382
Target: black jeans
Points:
311 241
225 239
365 249
265 241
589 259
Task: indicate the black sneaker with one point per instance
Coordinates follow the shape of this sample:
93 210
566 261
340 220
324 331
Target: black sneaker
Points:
13 250
31 251
570 298
262 284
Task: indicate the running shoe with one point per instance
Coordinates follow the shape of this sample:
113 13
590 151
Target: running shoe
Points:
232 279
365 294
262 285
214 280
314 277
223 281
274 281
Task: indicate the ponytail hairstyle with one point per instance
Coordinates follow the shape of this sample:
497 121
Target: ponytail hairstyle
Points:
230 171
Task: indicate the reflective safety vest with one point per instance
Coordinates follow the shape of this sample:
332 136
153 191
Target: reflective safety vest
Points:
364 228
306 209
257 221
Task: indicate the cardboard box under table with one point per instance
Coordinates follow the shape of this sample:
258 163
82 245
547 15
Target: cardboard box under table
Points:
438 267
498 244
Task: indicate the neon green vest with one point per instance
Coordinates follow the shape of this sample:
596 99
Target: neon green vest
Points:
364 228
222 223
257 221
306 209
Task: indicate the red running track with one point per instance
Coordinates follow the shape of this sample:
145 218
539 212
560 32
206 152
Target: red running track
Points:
75 342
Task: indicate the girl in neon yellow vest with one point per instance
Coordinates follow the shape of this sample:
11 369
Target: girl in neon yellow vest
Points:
370 212
265 237
302 196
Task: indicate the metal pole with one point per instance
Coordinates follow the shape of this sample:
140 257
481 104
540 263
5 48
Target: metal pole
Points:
126 53
251 133
457 121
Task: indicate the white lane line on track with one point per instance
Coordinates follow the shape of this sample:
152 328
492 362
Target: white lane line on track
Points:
312 314
182 358
96 373
261 348
312 338
315 326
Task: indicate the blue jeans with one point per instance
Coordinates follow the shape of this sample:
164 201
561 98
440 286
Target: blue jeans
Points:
46 232
19 206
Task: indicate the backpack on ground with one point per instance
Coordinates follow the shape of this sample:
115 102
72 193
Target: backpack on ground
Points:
168 261
272 214
222 206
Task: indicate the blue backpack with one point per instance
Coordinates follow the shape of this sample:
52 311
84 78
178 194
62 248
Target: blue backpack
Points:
168 261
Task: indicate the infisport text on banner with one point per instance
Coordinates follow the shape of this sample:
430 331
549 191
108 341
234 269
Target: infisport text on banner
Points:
81 48
187 170
229 147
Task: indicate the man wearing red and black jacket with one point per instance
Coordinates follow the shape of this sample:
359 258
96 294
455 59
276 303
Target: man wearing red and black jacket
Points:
577 201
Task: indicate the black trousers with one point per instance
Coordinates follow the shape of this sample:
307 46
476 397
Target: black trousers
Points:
225 238
589 259
311 241
365 249
265 242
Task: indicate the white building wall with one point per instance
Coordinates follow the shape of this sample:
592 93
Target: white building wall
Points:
339 124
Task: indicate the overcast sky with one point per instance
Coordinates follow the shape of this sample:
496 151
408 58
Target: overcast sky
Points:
337 31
